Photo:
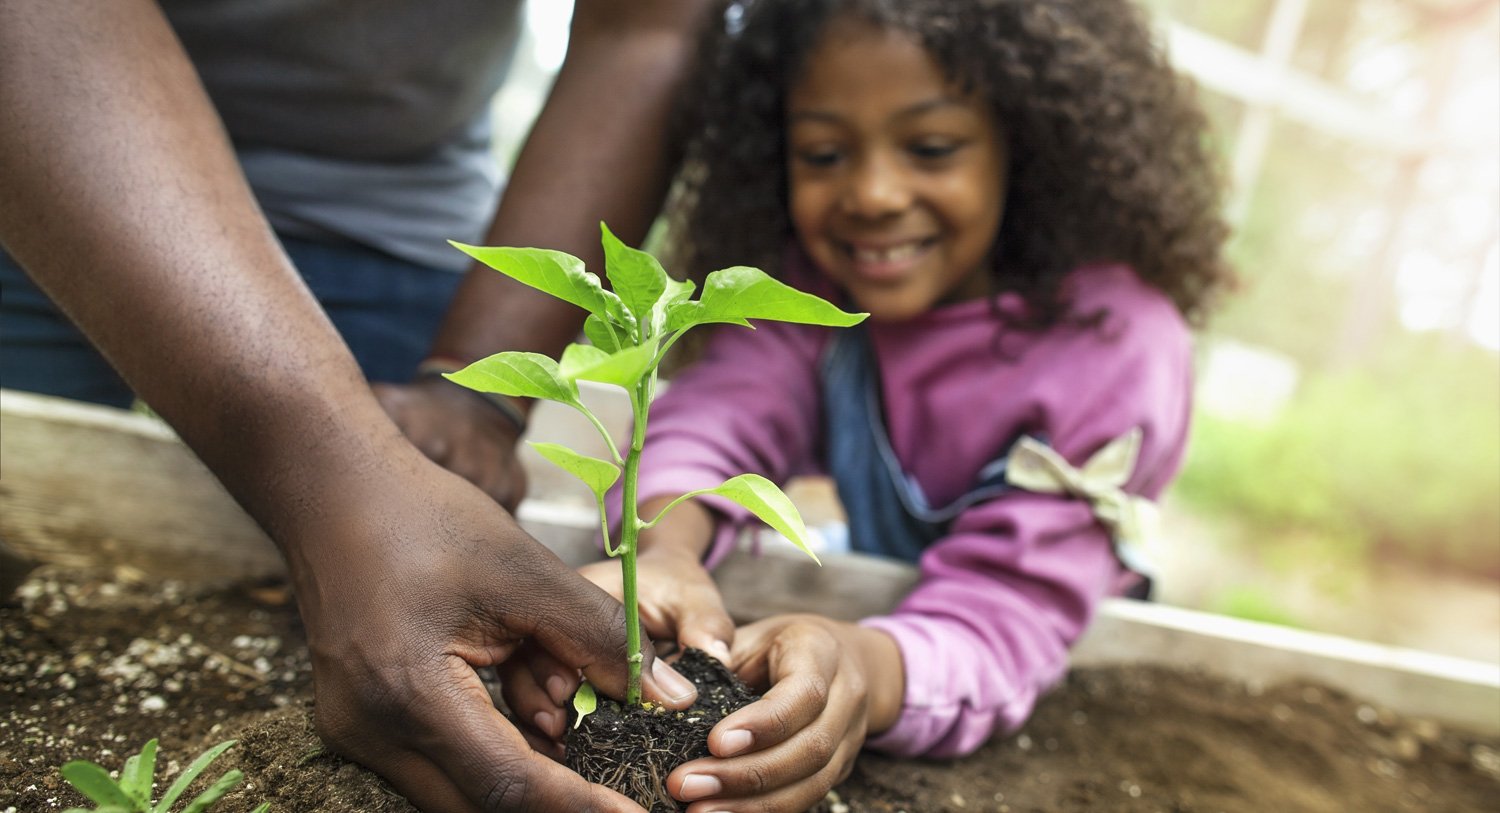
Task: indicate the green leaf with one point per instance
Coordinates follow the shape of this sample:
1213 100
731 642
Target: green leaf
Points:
262 809
584 702
736 294
187 776
215 792
94 782
678 291
597 329
589 363
524 375
555 272
767 502
597 474
135 777
635 276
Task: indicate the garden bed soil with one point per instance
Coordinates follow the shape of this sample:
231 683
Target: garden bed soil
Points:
93 665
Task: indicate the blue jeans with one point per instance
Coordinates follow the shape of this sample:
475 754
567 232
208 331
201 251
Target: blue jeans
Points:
386 309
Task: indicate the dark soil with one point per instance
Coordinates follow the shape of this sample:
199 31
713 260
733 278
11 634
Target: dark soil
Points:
632 750
91 667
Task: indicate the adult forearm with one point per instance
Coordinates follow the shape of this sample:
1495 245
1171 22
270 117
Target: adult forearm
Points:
122 199
598 151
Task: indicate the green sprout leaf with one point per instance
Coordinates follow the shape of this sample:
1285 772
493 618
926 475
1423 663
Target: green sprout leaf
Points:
677 292
597 474
136 776
765 500
555 272
584 702
635 276
94 782
187 776
589 363
215 792
598 330
523 375
737 294
132 794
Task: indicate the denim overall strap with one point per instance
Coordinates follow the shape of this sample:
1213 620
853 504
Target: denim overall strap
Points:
887 512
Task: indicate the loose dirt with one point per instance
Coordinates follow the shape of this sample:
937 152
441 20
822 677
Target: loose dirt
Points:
93 665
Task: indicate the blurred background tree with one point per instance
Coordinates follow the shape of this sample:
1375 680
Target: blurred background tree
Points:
1344 473
1345 465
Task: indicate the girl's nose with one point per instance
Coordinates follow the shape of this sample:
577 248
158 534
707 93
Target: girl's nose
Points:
876 188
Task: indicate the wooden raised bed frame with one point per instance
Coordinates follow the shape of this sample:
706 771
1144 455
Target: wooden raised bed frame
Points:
86 485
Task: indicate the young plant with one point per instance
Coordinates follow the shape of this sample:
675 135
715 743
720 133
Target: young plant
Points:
131 793
630 328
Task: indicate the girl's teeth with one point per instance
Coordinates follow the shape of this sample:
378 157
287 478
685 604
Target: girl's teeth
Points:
893 254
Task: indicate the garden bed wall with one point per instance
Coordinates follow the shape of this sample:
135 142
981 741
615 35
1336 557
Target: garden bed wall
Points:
83 485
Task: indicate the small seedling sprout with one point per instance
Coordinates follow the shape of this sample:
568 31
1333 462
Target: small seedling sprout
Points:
131 793
630 327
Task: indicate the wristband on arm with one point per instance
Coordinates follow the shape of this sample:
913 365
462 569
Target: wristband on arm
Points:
438 366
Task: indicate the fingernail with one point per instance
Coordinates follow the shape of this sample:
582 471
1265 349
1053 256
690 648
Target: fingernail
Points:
546 722
697 786
719 650
676 687
557 689
733 742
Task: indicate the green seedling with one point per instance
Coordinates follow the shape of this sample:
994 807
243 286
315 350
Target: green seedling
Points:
131 793
630 327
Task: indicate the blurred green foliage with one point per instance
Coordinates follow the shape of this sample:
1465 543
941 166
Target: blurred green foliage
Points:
1400 456
1254 604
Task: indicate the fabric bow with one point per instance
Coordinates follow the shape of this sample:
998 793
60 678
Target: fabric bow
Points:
1131 520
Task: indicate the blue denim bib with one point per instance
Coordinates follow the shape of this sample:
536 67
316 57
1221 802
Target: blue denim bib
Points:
887 511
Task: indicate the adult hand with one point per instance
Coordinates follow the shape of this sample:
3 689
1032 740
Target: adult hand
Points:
678 601
405 597
829 684
456 429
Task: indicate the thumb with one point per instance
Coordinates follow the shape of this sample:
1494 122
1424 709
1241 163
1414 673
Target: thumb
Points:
588 633
707 626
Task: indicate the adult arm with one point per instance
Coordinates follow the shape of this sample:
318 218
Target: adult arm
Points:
599 152
121 197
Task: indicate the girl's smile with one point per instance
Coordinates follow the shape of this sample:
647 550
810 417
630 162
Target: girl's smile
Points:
896 176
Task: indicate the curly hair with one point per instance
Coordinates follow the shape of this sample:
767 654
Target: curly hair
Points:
1108 155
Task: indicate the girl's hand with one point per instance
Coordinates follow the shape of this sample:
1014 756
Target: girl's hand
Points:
678 598
831 684
678 601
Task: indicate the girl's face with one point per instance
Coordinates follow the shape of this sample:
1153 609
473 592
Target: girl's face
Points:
897 177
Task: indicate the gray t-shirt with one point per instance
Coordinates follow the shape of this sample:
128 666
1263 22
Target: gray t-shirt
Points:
364 121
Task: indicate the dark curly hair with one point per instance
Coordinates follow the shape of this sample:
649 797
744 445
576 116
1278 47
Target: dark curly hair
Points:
1107 143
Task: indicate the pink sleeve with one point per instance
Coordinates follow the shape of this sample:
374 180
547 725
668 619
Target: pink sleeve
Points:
1005 595
750 404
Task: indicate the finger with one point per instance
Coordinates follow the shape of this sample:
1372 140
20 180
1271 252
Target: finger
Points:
801 662
491 761
790 798
529 701
423 783
803 755
704 624
587 633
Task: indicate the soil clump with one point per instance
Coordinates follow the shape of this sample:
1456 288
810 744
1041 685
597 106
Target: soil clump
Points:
631 750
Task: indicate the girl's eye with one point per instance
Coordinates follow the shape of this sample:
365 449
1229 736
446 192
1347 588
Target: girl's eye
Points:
934 150
820 158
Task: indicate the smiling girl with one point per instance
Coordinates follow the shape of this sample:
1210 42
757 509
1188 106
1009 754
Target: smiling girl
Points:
1018 193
